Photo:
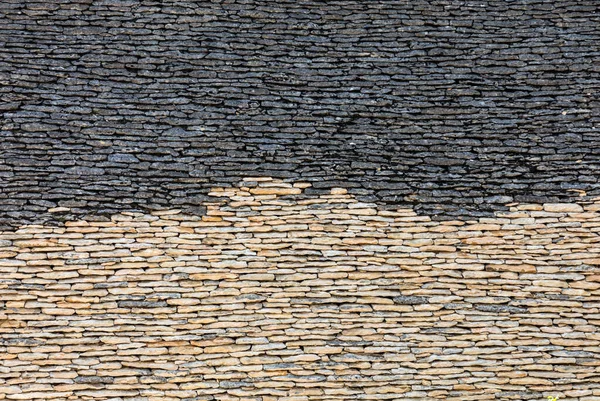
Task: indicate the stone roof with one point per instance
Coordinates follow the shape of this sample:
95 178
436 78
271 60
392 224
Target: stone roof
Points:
453 108
270 298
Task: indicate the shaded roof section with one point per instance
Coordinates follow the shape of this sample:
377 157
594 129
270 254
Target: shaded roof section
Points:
455 108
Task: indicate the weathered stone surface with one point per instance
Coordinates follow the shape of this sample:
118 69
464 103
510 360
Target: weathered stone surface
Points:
451 108
563 208
348 301
410 300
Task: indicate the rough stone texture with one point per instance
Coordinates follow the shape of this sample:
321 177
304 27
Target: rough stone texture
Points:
272 296
454 108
